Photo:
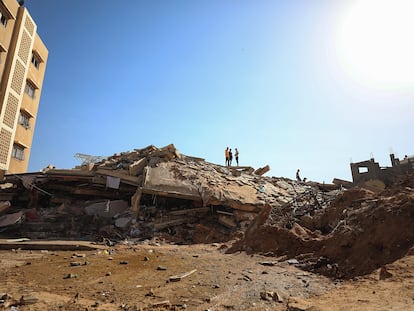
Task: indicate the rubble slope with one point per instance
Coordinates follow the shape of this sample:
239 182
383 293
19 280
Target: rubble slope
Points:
359 232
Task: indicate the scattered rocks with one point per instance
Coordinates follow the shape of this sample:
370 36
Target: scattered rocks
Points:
3 298
293 261
150 293
161 268
179 277
271 296
28 299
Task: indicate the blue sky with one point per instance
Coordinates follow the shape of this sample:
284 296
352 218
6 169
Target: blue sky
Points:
293 84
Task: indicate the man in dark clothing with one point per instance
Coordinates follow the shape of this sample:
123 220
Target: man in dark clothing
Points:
297 175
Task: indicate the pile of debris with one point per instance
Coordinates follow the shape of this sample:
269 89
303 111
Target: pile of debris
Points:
360 231
158 192
147 192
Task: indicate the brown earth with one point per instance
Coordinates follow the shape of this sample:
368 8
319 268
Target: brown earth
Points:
133 278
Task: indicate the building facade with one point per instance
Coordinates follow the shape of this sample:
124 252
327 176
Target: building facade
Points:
371 170
23 58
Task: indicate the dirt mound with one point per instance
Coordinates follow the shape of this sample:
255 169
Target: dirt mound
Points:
401 182
357 234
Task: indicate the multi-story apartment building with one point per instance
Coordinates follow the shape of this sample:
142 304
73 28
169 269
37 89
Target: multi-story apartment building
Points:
23 58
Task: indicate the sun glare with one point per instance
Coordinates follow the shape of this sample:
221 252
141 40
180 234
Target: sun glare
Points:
375 42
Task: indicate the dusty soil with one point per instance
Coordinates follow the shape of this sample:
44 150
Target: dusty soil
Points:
371 294
136 277
355 254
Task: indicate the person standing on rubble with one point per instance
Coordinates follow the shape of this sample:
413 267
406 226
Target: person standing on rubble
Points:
298 176
236 155
226 153
230 157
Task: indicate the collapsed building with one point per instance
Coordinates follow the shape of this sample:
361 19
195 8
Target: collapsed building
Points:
159 193
146 191
370 170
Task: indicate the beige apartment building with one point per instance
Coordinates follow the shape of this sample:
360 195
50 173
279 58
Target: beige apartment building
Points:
23 58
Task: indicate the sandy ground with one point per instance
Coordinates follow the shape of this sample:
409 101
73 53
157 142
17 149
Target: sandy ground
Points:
137 277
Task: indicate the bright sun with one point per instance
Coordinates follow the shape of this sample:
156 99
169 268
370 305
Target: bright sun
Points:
376 42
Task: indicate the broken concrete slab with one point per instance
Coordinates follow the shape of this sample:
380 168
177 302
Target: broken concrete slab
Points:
50 245
174 179
137 167
161 180
28 299
11 219
263 170
179 277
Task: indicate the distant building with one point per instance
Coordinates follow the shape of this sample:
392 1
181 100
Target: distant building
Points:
23 58
369 170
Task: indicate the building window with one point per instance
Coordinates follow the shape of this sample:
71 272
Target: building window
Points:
36 61
24 120
18 152
3 19
30 90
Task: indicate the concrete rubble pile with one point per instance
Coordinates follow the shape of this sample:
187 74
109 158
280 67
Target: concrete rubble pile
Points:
151 191
159 193
361 231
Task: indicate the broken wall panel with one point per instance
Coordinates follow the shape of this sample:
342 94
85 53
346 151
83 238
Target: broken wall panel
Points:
161 180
